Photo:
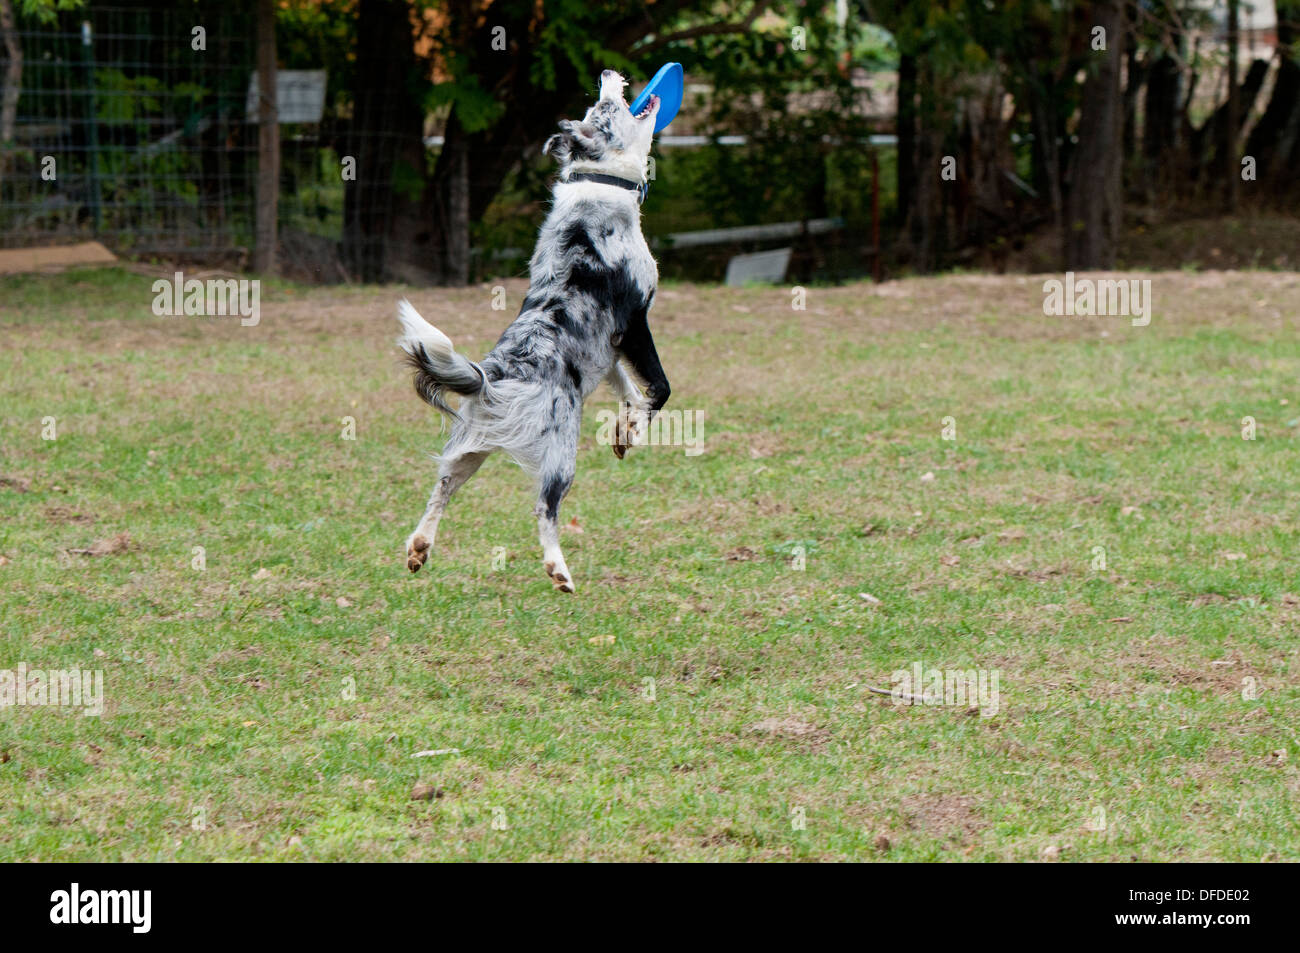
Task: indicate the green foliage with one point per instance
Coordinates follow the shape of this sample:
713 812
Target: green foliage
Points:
573 32
319 34
476 108
133 170
47 11
122 99
788 86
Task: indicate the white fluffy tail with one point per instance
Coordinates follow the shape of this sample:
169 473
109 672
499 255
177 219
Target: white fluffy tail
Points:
438 368
416 331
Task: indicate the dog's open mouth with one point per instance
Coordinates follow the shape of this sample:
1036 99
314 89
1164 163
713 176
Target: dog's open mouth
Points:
650 105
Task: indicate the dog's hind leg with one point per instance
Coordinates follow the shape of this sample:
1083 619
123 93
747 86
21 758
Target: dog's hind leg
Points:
553 457
453 471
552 488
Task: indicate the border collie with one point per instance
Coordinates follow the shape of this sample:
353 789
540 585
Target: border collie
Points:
592 281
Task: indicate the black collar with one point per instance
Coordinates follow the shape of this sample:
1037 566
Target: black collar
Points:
640 188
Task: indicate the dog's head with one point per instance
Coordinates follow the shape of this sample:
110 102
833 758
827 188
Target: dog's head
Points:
609 139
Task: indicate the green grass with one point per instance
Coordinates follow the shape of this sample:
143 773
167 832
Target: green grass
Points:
252 715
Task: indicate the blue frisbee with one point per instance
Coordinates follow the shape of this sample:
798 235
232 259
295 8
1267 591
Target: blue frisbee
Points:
668 85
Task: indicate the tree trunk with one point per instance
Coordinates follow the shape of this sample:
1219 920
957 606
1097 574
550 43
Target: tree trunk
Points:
905 128
13 81
986 214
452 203
400 220
1232 128
1274 137
1213 135
1095 203
1160 122
387 219
1047 154
926 214
268 140
1132 89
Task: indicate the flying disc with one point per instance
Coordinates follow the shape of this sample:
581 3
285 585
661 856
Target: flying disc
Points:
668 85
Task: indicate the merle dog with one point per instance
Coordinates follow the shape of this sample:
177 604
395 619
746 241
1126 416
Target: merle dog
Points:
592 282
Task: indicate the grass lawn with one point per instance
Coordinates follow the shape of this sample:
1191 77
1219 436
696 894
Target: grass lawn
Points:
1098 536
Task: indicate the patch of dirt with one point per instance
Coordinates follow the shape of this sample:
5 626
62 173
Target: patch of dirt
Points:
728 836
761 443
947 815
65 514
1223 675
791 728
769 505
1040 574
110 546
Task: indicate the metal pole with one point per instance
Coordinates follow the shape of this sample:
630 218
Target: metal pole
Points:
875 215
92 125
268 141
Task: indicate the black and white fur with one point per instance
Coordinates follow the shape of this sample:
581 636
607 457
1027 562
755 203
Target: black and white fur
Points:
592 283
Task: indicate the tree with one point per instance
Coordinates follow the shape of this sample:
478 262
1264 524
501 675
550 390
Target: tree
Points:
1095 204
1275 140
268 140
508 71
13 78
386 209
44 11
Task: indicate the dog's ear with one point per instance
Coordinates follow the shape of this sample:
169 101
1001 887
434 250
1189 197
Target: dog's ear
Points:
558 147
577 140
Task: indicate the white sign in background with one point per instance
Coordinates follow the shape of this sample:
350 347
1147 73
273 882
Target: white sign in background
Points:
299 95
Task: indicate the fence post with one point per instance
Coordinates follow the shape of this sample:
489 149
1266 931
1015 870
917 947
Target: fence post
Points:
1233 159
268 140
92 123
875 214
11 85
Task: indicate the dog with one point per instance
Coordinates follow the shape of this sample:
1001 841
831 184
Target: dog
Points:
592 281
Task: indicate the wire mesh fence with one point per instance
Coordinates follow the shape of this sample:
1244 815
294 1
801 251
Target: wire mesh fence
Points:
131 126
138 126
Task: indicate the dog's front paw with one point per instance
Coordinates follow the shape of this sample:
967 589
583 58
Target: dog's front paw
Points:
621 441
630 429
417 553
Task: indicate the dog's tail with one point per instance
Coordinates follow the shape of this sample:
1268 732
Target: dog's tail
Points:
438 368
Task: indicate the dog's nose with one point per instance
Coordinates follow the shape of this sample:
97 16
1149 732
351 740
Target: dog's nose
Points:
606 74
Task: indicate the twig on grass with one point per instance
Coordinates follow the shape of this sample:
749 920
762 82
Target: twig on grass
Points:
430 754
906 696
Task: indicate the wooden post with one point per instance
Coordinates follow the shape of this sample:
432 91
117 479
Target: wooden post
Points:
268 140
13 81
